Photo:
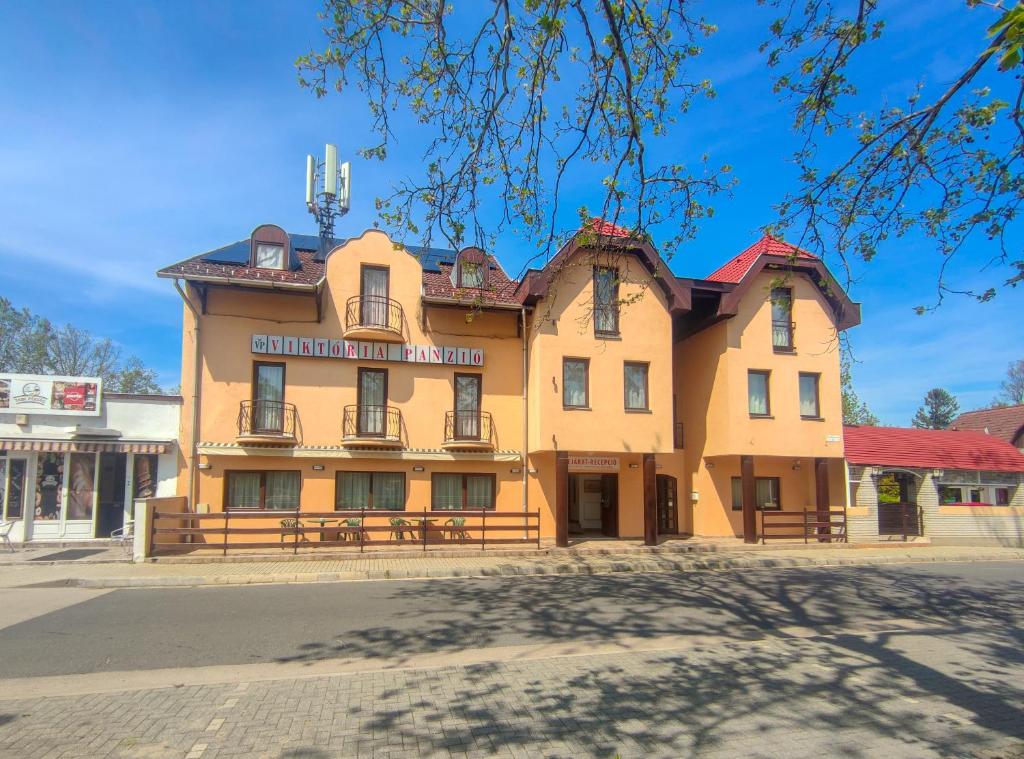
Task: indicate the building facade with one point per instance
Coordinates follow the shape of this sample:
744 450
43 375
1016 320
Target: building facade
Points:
75 460
600 391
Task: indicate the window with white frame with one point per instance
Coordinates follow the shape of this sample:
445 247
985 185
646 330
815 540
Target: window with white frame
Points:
985 488
269 256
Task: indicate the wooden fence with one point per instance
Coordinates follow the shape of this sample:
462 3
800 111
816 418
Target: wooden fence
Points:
809 524
355 529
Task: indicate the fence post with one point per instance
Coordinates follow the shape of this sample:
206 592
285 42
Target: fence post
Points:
483 530
227 517
538 530
423 526
362 529
144 535
295 542
805 525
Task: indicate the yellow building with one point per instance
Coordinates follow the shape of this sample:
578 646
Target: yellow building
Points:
601 392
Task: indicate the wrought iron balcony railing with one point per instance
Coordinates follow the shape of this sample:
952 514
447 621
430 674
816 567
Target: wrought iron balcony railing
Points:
267 419
468 427
782 335
373 312
367 423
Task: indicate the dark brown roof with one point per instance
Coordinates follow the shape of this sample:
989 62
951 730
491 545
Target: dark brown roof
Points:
309 272
1006 423
500 289
437 282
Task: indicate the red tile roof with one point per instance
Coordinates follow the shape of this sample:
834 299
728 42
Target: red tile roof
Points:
1006 423
930 449
602 227
734 270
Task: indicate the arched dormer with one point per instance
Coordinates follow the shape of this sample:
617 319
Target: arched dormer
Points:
269 248
470 270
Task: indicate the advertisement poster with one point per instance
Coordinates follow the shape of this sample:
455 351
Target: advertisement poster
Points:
41 394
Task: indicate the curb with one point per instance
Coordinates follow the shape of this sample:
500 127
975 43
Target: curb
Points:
519 570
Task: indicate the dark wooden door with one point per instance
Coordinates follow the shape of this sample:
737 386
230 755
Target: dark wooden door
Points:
610 505
666 487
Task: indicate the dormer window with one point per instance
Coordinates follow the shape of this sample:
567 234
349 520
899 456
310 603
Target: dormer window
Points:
470 270
269 256
269 248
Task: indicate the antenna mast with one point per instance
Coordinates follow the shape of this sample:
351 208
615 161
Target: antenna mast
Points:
327 189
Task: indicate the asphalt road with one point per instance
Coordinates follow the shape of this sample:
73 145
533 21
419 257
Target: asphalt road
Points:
189 627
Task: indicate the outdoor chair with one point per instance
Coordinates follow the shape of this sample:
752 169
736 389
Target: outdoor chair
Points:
5 534
288 528
353 522
397 533
124 536
455 527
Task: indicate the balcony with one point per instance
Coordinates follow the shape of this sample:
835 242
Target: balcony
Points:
468 431
373 318
265 422
372 427
782 336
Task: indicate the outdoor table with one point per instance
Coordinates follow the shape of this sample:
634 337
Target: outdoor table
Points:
322 522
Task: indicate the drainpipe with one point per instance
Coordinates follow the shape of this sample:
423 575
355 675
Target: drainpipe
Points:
526 417
196 396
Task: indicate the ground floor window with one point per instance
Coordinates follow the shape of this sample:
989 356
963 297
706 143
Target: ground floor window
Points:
144 476
262 490
49 486
766 493
462 491
369 490
986 494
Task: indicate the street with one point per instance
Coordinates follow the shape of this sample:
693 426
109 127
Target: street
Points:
899 660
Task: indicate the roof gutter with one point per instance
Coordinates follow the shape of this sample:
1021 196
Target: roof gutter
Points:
262 284
456 302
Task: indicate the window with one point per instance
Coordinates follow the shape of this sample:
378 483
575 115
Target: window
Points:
462 491
1002 496
757 393
636 386
144 475
82 486
15 471
369 490
810 406
262 490
471 274
575 381
606 301
782 318
766 494
988 494
269 256
950 494
467 422
371 401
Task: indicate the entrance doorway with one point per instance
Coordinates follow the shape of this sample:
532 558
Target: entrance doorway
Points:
113 472
594 504
667 519
898 513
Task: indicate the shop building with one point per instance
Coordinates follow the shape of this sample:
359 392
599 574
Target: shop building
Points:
74 460
602 391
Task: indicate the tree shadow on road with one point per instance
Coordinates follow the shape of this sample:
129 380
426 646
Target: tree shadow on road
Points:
749 684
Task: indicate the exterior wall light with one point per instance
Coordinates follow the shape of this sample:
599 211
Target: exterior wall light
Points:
417 469
318 467
515 470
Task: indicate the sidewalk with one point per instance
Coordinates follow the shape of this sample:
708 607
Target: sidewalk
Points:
369 567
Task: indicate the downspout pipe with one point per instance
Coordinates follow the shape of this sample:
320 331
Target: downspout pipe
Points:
526 415
196 397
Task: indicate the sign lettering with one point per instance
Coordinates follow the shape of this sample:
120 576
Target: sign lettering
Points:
320 347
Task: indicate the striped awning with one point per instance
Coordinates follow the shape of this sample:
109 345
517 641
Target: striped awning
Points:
82 446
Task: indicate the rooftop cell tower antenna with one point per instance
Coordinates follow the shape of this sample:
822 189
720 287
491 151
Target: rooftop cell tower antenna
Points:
328 186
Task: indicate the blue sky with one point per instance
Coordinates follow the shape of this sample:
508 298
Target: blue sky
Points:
134 134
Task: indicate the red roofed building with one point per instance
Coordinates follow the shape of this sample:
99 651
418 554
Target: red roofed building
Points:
1005 423
950 486
737 268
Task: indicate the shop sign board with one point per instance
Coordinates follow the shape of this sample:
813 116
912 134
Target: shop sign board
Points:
322 347
49 394
582 463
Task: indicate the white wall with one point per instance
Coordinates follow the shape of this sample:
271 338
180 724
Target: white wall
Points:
145 418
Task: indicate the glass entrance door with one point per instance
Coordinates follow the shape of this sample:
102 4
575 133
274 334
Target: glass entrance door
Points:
268 400
666 486
374 301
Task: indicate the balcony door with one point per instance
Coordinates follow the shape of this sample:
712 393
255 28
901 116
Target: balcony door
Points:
372 402
268 398
467 406
373 305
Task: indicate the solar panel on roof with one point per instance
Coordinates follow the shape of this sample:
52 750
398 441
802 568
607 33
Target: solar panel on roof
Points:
235 253
431 258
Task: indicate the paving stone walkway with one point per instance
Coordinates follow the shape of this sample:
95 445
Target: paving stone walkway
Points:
956 692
